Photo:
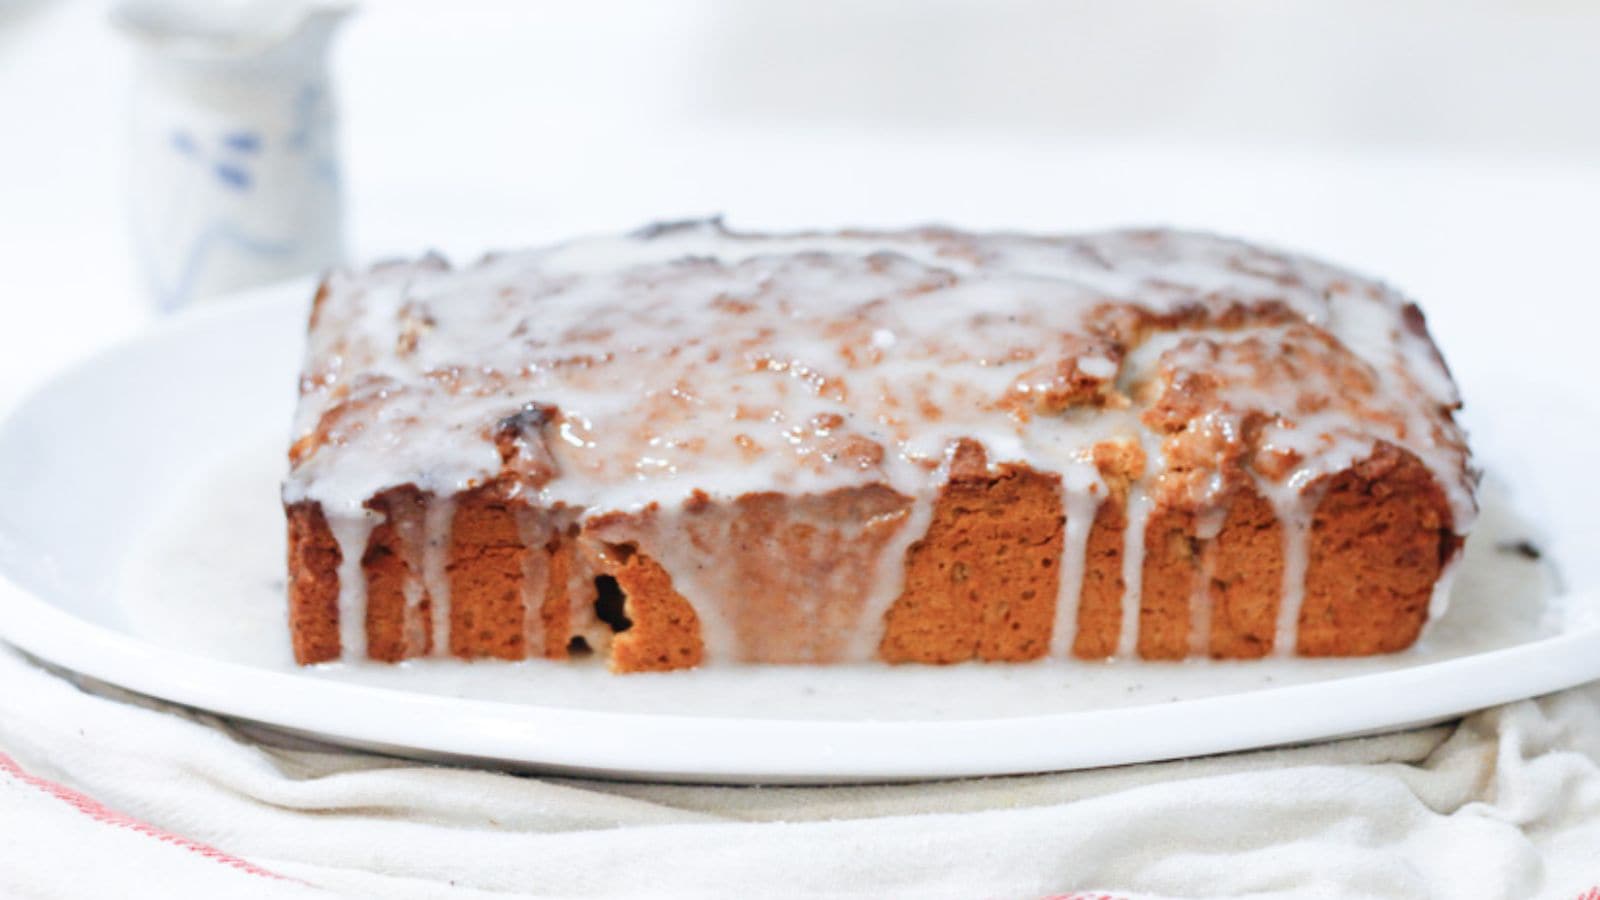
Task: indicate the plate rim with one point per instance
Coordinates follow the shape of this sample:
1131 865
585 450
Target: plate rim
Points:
794 750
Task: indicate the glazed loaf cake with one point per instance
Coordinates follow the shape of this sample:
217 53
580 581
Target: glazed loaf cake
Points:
692 445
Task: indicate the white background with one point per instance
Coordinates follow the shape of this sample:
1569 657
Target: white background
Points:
1449 147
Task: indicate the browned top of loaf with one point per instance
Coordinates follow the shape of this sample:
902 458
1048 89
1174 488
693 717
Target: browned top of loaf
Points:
612 373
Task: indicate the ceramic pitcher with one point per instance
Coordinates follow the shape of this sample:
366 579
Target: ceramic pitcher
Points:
234 171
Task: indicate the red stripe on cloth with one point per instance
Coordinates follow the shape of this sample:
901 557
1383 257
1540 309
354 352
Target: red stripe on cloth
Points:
98 811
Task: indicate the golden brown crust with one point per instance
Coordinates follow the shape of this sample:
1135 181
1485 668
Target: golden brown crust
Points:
983 582
389 566
1170 578
313 585
980 585
1380 539
386 578
1100 600
1100 595
486 572
665 632
1245 583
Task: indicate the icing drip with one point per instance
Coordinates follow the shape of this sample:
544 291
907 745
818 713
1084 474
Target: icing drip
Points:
888 581
351 534
1209 523
1207 526
435 575
411 531
1295 517
1081 491
783 579
1443 586
581 596
687 547
696 575
1133 541
416 619
534 529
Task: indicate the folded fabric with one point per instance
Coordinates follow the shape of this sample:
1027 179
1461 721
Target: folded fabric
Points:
107 794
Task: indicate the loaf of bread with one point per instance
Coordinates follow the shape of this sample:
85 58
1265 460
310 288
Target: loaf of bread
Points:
691 445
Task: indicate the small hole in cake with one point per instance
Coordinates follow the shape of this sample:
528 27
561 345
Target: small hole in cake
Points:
578 646
610 604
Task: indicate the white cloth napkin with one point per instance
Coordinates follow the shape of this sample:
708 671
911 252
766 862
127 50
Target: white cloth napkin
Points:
103 794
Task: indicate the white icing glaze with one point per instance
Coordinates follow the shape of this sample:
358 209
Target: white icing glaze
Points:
1295 519
413 534
1097 367
1442 588
888 581
534 530
435 579
697 572
351 533
694 358
1081 493
1133 538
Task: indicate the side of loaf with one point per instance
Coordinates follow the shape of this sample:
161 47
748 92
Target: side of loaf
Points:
691 445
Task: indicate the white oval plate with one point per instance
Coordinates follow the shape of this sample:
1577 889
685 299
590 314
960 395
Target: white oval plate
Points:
94 463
